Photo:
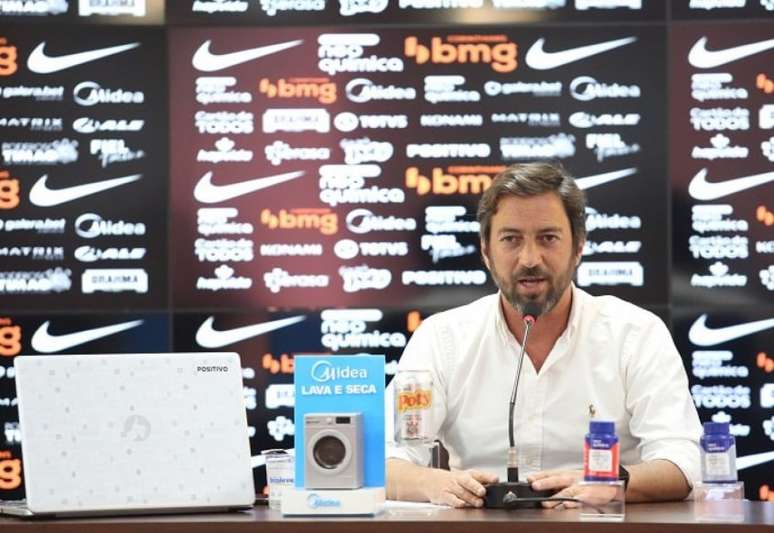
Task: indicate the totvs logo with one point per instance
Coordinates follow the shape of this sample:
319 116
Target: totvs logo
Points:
9 191
7 58
496 50
10 338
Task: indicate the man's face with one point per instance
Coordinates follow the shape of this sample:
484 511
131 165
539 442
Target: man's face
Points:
530 252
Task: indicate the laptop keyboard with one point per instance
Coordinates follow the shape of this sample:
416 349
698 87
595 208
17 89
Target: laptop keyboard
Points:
13 503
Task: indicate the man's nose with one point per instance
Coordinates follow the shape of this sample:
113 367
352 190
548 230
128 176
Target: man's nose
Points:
530 254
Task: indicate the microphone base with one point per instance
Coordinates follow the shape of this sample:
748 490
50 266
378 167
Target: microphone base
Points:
497 492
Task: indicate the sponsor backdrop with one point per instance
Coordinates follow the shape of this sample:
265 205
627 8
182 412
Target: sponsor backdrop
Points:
274 177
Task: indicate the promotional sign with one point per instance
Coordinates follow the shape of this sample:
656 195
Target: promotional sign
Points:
343 384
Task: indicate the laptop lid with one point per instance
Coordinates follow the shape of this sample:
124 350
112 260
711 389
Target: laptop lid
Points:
133 432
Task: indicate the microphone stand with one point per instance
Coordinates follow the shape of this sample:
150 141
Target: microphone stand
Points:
507 494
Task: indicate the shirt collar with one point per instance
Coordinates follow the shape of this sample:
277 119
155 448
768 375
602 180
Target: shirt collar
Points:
573 323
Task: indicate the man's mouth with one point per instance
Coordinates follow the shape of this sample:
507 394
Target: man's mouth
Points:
531 282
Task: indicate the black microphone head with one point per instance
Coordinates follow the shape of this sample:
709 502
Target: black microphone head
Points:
531 310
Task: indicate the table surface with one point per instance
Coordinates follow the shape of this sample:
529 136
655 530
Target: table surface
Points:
675 516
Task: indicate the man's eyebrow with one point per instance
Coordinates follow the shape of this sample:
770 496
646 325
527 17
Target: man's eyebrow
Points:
547 229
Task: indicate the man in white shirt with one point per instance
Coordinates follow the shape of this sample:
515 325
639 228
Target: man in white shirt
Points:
586 357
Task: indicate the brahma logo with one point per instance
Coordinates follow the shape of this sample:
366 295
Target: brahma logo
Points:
114 280
496 50
296 120
321 89
8 58
321 219
10 338
460 180
9 191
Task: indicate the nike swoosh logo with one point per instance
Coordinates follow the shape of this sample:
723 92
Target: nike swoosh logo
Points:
701 189
208 193
207 337
700 57
539 59
206 61
598 179
753 460
701 335
44 342
40 63
42 196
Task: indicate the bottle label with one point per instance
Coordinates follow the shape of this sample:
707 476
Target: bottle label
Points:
600 463
717 464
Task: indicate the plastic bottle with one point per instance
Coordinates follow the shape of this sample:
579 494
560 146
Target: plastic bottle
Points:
718 454
601 452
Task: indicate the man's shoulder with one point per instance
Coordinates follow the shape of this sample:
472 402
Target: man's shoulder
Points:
612 308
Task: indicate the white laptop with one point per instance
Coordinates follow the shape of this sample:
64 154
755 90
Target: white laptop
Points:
132 434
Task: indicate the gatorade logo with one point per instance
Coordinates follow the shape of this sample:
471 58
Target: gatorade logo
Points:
7 58
9 191
10 338
496 50
10 473
322 89
415 400
459 180
321 219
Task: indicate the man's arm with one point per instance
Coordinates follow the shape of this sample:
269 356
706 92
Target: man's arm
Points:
407 481
656 480
651 481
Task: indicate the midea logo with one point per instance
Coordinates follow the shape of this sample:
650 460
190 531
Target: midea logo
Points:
212 369
323 371
315 501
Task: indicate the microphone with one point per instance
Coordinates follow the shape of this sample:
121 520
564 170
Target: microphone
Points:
507 494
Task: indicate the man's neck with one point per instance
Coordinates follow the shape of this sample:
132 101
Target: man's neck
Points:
545 332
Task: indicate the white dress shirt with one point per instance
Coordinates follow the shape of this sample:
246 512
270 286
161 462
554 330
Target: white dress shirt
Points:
614 358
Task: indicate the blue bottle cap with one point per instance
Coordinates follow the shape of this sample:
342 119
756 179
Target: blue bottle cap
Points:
716 428
602 426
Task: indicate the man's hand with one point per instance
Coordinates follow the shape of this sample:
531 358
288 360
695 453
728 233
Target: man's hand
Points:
562 481
460 488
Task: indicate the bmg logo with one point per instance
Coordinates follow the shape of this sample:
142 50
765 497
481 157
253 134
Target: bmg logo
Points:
10 338
8 56
9 191
493 49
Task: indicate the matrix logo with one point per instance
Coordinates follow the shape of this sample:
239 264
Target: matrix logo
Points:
496 50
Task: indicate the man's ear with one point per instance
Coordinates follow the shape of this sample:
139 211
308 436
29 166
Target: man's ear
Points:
579 252
485 254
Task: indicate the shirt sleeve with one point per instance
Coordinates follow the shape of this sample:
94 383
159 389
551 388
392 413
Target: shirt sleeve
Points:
423 352
663 415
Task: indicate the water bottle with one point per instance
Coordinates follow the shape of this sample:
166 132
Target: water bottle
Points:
601 452
718 454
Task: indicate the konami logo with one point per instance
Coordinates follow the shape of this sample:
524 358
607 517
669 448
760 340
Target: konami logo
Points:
496 50
322 89
459 180
322 219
